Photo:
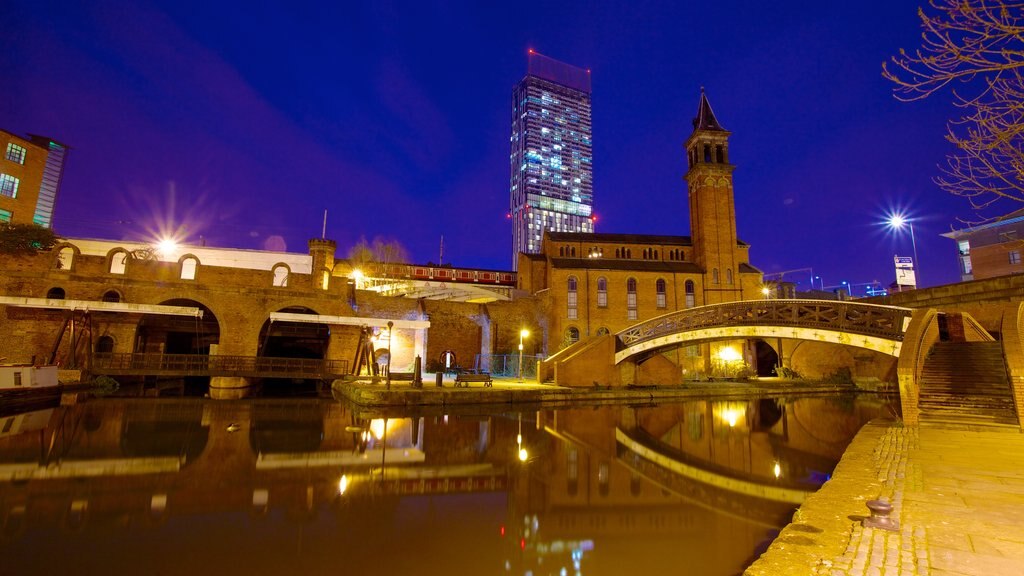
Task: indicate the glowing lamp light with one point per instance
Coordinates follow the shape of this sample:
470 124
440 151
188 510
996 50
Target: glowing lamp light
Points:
777 470
728 354
378 428
343 485
766 291
523 455
166 246
357 275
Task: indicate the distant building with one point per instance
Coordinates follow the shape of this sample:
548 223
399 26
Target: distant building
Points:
550 183
31 171
992 249
596 284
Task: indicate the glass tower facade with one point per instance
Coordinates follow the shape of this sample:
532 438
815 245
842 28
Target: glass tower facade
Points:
550 184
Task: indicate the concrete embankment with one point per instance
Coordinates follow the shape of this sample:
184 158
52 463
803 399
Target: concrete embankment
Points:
957 495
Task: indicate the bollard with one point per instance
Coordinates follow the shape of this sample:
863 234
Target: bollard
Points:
417 374
440 378
880 510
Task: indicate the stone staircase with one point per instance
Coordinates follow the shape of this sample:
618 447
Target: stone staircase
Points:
966 383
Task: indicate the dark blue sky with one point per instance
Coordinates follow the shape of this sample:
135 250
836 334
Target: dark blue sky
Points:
244 125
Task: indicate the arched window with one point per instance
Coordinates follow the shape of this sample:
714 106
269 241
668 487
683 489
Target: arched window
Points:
689 294
603 479
602 331
111 296
188 268
618 253
104 345
280 275
631 299
572 335
561 251
714 275
55 294
573 250
571 297
602 292
118 262
629 253
65 258
659 288
728 275
325 280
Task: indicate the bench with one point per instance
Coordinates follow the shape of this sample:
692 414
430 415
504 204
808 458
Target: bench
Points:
464 378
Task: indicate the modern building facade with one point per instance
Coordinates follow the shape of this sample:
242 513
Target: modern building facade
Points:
31 172
992 249
551 176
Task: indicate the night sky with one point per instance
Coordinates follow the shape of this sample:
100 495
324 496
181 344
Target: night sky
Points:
243 126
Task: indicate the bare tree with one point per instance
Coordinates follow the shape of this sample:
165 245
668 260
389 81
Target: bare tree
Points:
977 46
380 254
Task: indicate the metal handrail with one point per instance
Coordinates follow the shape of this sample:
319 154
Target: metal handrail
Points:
843 316
204 365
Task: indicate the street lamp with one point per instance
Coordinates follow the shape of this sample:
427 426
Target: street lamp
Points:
897 222
390 327
522 334
766 291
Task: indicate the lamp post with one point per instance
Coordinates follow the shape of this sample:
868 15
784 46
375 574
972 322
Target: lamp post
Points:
897 222
390 326
522 334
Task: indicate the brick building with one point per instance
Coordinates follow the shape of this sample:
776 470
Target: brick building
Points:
992 249
31 171
593 284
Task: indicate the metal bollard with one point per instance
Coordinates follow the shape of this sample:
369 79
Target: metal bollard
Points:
880 510
439 378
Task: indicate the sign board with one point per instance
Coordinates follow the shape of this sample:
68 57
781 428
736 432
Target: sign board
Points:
905 271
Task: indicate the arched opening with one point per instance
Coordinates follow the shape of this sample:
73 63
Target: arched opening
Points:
65 258
690 296
294 339
111 296
118 262
178 334
767 358
602 292
189 265
280 276
105 345
56 293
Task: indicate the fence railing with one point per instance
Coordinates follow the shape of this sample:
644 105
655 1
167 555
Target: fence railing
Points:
203 365
844 316
508 364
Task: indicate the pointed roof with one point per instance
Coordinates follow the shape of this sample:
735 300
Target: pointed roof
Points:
705 119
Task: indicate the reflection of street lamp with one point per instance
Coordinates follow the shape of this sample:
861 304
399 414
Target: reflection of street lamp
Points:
390 325
522 334
896 222
523 455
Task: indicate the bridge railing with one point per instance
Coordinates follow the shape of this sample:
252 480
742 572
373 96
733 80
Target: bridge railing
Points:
204 365
843 316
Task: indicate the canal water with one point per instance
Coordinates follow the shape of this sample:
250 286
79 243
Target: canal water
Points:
313 486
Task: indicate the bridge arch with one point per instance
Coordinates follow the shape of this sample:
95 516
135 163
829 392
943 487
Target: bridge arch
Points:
178 334
868 326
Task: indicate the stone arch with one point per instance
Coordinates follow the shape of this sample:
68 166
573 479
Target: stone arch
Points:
281 271
279 339
111 295
56 293
178 334
105 344
117 261
188 266
66 256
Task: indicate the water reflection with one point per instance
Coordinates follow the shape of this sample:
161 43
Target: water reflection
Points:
313 486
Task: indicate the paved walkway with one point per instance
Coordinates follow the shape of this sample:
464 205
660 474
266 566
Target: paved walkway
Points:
958 495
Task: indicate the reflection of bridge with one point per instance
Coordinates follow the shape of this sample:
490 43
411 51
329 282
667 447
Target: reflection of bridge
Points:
870 326
203 365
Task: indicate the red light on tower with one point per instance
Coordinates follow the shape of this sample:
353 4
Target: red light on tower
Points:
503 531
522 543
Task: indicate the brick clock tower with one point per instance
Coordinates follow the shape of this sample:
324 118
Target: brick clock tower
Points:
712 210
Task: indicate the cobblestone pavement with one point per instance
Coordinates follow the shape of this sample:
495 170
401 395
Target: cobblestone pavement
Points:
958 495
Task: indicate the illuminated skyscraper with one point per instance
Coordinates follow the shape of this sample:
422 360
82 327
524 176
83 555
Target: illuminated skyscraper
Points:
551 183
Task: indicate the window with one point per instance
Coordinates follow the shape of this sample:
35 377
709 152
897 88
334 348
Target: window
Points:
15 153
631 299
280 276
1014 256
65 258
188 268
55 294
8 186
602 292
602 331
118 262
689 294
728 275
111 296
571 300
714 275
105 345
6 215
572 335
660 289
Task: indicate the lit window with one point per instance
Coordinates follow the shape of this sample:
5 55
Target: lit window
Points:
572 298
631 299
1014 256
690 297
660 289
6 215
118 262
188 268
15 153
8 186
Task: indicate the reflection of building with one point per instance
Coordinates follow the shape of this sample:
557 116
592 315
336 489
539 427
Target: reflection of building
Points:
551 183
992 249
30 175
601 283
